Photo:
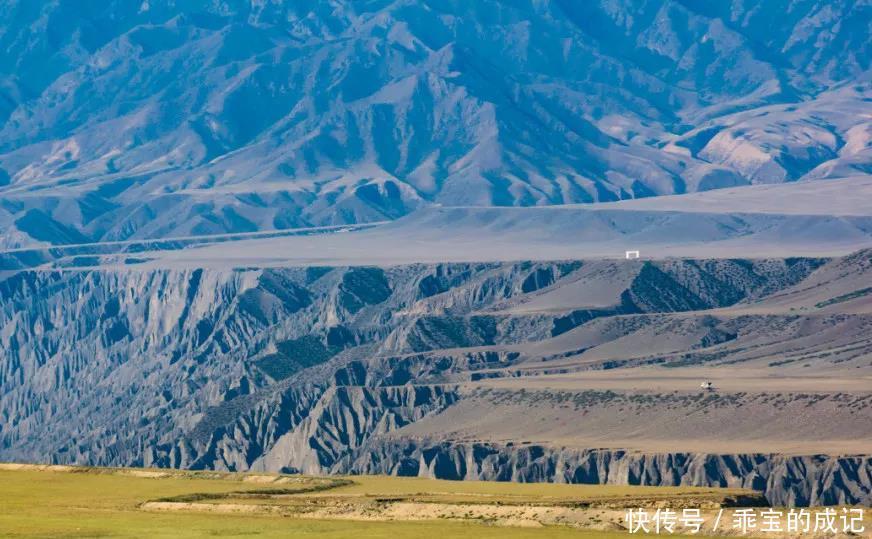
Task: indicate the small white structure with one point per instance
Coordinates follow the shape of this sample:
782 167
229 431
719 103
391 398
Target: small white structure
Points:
631 255
708 386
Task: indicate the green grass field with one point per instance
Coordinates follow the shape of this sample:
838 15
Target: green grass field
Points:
107 503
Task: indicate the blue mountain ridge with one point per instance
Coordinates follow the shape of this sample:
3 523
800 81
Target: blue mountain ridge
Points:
126 120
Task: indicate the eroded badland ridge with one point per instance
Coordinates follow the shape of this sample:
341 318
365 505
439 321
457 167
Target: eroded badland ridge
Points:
574 371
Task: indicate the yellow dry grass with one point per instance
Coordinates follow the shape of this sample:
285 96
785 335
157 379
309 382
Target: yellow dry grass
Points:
94 502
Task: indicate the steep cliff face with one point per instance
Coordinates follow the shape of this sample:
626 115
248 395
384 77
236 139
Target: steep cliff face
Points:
785 480
352 430
325 369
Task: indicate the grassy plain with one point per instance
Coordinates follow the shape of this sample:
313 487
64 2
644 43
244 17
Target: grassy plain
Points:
89 502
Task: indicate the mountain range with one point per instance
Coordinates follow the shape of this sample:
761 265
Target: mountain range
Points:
128 120
389 237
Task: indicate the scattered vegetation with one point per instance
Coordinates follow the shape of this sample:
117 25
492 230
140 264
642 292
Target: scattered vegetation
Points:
295 355
308 486
844 297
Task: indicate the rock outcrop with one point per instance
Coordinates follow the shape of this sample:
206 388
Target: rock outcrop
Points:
785 480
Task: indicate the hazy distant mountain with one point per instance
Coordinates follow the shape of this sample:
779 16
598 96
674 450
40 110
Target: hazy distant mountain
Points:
124 119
